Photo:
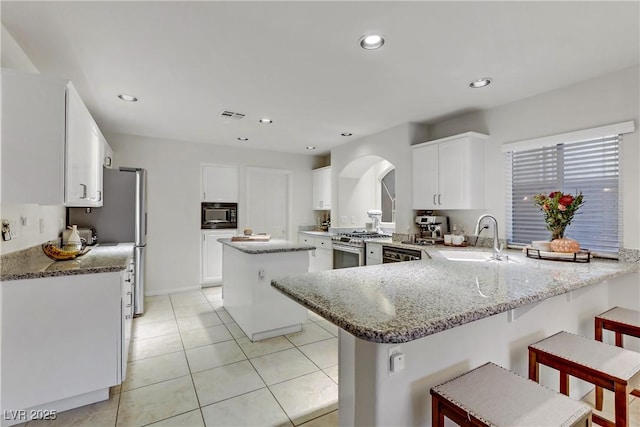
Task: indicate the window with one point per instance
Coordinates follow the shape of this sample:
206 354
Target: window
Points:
388 196
588 165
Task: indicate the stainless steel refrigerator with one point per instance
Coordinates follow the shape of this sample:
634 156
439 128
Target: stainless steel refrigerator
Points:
121 219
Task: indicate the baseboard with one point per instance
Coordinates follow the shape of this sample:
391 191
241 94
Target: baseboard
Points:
170 291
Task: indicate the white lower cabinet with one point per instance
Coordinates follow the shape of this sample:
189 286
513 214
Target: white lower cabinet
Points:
374 253
64 341
212 255
322 258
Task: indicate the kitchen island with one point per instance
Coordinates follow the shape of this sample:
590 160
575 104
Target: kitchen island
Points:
247 271
448 317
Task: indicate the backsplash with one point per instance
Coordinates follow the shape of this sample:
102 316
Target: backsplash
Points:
31 225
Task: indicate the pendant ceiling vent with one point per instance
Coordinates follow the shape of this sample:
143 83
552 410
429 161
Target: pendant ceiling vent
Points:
226 114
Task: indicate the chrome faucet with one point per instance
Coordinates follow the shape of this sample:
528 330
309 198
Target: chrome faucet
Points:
497 249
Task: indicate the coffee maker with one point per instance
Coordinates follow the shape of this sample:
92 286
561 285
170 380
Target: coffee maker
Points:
433 227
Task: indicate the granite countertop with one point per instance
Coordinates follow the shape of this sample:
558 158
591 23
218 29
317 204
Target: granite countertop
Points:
32 263
401 302
317 233
270 247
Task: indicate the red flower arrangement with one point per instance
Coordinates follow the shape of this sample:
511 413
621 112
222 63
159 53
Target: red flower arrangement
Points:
558 209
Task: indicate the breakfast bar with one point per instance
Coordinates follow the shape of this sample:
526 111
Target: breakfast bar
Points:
247 269
447 316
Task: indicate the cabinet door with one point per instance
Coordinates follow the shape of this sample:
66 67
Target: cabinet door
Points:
107 155
81 154
425 177
219 183
322 188
462 174
212 255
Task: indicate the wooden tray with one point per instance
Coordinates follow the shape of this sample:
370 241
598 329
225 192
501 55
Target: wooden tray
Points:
252 238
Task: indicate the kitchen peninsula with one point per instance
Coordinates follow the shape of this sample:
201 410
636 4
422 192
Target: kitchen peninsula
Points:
448 317
247 270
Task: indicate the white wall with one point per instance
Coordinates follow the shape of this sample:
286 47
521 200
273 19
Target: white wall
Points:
12 56
393 145
605 100
173 191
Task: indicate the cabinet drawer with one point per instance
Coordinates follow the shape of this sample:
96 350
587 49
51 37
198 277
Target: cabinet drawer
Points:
305 238
374 251
322 242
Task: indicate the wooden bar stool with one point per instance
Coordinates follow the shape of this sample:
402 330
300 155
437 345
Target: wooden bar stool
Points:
604 365
622 321
493 396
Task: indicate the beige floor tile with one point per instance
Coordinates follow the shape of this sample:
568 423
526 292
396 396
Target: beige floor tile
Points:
205 336
156 369
225 317
190 419
329 327
156 346
154 329
257 408
283 365
155 298
158 305
192 309
199 321
313 316
212 356
322 353
329 420
213 293
100 414
217 306
307 397
226 381
260 348
188 298
156 402
155 315
310 333
332 371
235 330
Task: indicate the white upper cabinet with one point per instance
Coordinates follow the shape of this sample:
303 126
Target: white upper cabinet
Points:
220 183
83 155
51 151
322 188
449 173
107 155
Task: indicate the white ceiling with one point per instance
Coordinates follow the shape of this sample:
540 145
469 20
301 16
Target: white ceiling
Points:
300 64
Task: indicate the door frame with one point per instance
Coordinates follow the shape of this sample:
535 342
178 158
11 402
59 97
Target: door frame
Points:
289 209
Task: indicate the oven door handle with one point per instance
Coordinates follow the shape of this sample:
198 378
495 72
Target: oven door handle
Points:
345 248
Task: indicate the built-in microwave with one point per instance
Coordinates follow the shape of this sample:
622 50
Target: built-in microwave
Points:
219 215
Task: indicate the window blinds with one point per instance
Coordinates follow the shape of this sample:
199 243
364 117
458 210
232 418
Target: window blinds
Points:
590 166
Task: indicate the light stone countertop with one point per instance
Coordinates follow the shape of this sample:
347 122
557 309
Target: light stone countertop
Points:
32 263
405 301
272 246
317 233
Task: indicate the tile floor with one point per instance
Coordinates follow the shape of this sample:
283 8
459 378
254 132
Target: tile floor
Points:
191 365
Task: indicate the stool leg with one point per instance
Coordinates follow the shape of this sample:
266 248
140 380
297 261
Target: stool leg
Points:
564 383
619 339
622 405
437 417
533 366
599 393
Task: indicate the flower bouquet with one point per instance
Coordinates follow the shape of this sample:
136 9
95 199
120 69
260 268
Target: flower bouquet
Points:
558 210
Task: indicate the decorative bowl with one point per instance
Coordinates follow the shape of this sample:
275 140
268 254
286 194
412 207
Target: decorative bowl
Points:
543 245
54 250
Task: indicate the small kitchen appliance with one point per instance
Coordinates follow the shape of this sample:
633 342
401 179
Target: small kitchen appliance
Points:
376 217
433 227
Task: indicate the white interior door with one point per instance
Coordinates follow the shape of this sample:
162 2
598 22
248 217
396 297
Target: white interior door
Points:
268 201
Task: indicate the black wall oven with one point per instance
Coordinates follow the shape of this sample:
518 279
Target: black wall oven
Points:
219 215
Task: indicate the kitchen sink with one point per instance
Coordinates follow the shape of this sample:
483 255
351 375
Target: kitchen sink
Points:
466 255
477 256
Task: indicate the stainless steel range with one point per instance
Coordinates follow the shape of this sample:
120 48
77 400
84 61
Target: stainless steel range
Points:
349 248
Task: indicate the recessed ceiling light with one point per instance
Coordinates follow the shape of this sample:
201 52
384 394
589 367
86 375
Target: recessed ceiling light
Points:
371 41
242 139
310 147
480 82
128 98
266 121
346 134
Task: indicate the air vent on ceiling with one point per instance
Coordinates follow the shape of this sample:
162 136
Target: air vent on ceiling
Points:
226 114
